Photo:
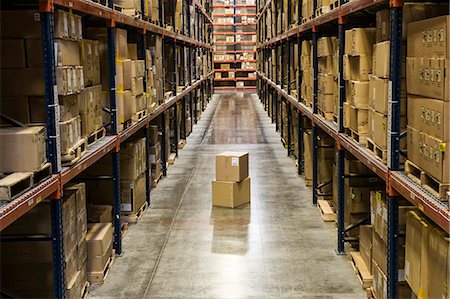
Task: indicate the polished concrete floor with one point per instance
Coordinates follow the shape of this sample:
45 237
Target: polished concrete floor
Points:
276 247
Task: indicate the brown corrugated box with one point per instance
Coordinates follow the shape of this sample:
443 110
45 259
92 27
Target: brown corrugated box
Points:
430 116
438 259
359 41
25 148
67 52
132 194
378 95
34 78
365 245
429 38
357 67
99 246
429 153
13 53
428 77
357 93
100 213
378 129
232 166
416 255
231 194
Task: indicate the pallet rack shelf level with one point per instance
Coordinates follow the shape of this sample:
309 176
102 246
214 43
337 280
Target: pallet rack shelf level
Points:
430 205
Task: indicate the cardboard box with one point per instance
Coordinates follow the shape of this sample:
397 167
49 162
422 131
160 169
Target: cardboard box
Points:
429 38
356 119
438 259
155 172
132 51
359 41
132 159
325 46
67 52
28 27
381 59
70 133
378 129
380 285
137 86
155 153
121 43
123 74
99 213
232 166
132 194
326 83
416 255
80 195
99 246
357 199
68 108
11 86
428 77
428 153
430 116
25 148
357 67
138 68
379 95
365 245
357 93
90 59
13 53
230 194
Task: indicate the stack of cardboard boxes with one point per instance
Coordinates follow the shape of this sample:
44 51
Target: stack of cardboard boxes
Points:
325 156
157 70
307 73
327 84
155 156
91 100
22 57
427 257
379 90
36 255
374 249
428 104
357 68
130 7
232 185
307 9
130 80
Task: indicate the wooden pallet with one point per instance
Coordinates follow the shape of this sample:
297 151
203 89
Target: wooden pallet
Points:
326 115
334 5
335 118
14 184
85 290
99 277
123 228
322 10
135 217
96 136
326 209
155 181
361 139
74 154
125 125
433 186
139 115
377 151
181 144
308 183
171 159
370 293
361 270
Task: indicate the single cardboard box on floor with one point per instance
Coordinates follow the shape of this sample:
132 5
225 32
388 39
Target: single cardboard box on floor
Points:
230 194
232 166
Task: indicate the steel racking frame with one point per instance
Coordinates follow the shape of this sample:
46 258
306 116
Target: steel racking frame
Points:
52 187
397 183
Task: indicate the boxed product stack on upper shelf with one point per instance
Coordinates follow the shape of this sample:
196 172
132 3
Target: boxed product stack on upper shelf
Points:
382 95
234 44
96 99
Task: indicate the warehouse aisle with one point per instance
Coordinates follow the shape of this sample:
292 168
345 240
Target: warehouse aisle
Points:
276 247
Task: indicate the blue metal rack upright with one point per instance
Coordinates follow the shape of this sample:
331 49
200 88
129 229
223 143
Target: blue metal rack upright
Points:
341 152
396 14
315 168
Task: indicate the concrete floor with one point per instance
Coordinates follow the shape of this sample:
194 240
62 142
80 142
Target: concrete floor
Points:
275 247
